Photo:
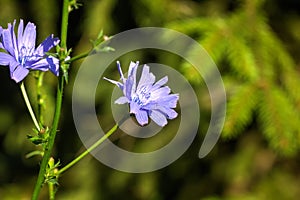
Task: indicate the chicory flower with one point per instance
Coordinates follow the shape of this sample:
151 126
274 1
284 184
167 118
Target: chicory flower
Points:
20 52
147 98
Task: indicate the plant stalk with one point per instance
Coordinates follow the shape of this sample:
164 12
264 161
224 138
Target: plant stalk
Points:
59 95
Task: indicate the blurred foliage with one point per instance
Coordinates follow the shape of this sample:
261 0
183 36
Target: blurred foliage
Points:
260 76
255 44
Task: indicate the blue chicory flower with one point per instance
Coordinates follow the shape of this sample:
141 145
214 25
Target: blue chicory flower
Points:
146 98
21 54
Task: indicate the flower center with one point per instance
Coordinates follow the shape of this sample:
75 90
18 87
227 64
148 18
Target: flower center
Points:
24 54
141 96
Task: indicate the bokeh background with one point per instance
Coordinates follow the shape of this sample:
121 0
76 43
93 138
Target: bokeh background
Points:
255 44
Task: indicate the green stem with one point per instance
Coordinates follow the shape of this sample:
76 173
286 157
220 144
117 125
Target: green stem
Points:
51 191
40 99
27 102
64 24
95 145
50 143
59 95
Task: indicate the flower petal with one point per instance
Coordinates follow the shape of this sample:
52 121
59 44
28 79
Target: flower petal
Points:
168 112
121 100
46 45
146 79
142 117
41 65
19 73
5 58
13 64
14 40
120 85
168 101
29 36
160 83
158 118
8 40
45 64
120 71
130 83
53 65
161 92
20 33
1 30
134 107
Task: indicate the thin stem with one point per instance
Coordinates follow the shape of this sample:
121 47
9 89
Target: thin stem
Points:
27 102
64 24
51 191
59 95
86 152
40 99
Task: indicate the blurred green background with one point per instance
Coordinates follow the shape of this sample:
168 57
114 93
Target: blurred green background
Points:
255 44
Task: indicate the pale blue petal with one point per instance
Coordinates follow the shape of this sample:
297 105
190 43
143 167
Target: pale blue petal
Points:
130 84
134 107
120 71
160 83
7 40
169 101
132 68
29 36
19 73
41 65
5 59
45 64
142 117
14 40
46 45
168 112
158 118
161 92
13 64
146 79
20 33
120 85
121 100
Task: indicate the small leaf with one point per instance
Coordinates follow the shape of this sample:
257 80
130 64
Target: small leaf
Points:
34 153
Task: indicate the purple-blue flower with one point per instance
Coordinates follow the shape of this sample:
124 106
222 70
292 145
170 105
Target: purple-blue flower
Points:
21 54
146 98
